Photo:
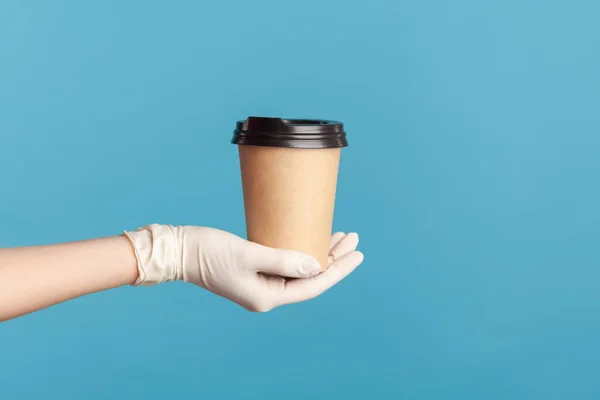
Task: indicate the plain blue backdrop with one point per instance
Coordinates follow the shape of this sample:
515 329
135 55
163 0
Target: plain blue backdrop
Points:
472 178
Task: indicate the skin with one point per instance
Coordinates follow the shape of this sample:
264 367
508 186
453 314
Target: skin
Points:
33 278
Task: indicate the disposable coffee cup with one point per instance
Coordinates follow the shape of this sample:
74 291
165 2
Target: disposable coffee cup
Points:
289 177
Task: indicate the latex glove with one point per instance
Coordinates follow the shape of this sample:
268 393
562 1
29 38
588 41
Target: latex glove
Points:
237 269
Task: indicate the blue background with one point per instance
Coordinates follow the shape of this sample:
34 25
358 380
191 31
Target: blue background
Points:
472 178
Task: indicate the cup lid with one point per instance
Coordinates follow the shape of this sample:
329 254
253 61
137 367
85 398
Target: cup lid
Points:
295 133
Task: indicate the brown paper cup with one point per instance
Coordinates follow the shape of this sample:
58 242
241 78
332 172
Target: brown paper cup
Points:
289 192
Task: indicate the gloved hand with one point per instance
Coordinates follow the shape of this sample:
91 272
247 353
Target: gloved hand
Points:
247 273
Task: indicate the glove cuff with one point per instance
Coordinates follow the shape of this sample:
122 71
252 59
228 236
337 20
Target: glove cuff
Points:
156 250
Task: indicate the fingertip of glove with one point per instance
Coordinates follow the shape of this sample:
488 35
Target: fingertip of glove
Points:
308 266
360 256
354 237
351 260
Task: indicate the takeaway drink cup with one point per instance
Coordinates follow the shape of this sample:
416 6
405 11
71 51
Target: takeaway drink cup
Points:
289 177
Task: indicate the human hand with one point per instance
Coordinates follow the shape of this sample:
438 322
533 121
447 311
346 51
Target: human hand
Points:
247 273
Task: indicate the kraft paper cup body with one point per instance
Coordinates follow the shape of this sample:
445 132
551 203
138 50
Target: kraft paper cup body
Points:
289 186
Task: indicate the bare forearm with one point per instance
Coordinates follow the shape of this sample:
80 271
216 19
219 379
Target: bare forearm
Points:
32 278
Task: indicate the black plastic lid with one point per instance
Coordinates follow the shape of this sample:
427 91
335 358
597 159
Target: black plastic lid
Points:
296 133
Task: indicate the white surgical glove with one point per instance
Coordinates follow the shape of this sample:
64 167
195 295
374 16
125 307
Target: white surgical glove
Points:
247 273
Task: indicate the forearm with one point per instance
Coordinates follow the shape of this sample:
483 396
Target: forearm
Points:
32 278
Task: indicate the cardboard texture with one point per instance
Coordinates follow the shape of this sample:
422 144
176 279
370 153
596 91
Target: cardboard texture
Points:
289 197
